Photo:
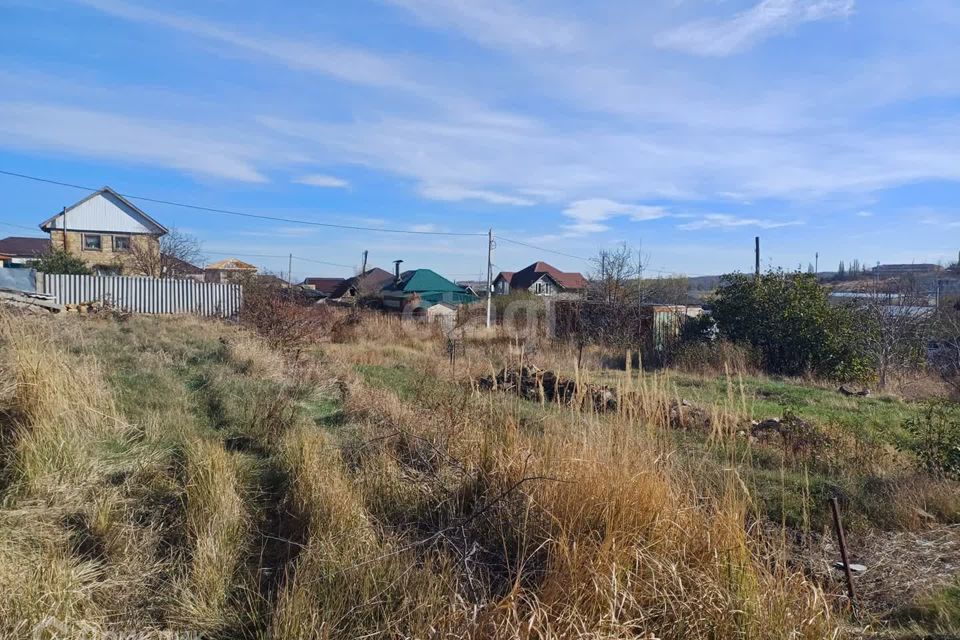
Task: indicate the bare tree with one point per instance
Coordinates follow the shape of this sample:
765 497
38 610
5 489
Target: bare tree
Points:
177 252
619 276
612 273
945 344
894 333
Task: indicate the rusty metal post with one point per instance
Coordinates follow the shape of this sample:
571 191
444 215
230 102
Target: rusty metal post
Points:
842 541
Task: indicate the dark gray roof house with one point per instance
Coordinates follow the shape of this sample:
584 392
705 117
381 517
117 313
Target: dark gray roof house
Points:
369 283
322 286
20 250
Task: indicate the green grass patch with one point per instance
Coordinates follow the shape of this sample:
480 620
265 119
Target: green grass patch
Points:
403 381
938 612
872 419
325 411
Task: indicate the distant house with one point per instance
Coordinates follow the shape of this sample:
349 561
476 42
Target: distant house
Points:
174 267
269 280
540 279
421 289
228 270
894 270
370 283
104 229
476 287
322 287
19 251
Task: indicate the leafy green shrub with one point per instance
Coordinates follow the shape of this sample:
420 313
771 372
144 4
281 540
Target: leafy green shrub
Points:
60 261
935 439
787 318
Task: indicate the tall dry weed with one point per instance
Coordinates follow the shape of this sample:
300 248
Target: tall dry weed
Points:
218 526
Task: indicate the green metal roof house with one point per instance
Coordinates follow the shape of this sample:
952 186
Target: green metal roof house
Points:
425 288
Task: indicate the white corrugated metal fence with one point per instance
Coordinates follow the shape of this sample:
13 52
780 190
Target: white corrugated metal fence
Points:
146 295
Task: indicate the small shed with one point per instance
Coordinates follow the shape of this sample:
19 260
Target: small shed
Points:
661 324
442 314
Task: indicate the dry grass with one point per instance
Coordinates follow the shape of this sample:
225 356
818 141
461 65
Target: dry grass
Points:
350 581
252 357
217 525
41 578
58 422
190 478
62 519
579 529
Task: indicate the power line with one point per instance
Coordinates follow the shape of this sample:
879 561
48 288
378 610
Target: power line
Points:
230 212
245 255
256 216
570 255
332 264
284 256
531 246
18 226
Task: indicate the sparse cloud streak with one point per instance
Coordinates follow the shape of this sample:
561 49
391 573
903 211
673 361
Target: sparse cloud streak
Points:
727 221
348 64
496 22
204 151
323 181
451 193
727 36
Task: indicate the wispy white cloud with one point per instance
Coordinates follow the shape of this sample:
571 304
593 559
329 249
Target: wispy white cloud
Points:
199 150
452 193
356 66
321 180
722 37
568 111
727 221
424 228
496 22
864 214
590 215
457 160
936 218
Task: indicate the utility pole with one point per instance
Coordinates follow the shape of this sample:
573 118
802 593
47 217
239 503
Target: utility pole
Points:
363 269
640 274
65 229
290 271
603 275
489 276
639 300
756 256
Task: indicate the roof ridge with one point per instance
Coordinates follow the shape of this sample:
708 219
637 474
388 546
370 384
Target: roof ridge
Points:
115 194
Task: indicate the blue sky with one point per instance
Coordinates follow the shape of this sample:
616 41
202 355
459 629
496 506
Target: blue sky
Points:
828 126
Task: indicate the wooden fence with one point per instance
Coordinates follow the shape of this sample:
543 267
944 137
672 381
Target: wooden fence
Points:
145 295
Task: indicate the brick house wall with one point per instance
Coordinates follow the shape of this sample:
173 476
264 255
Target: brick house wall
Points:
110 256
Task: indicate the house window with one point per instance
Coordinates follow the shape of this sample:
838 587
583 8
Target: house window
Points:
106 270
91 242
121 243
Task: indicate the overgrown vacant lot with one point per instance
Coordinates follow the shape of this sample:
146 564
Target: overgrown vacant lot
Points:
178 475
